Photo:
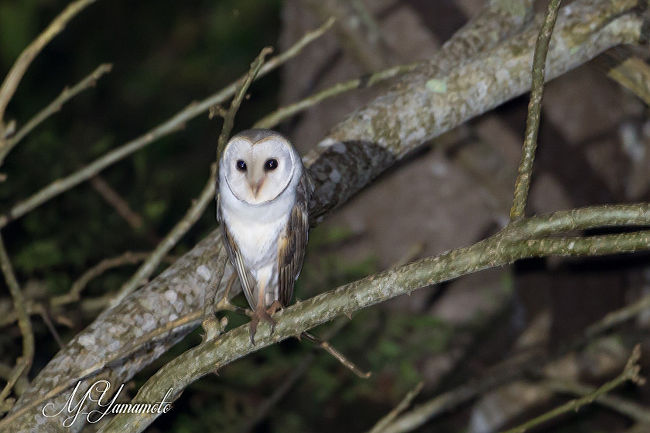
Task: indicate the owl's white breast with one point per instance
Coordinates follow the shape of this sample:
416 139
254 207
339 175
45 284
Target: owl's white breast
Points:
256 228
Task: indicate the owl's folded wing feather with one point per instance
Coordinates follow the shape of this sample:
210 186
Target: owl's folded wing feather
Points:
247 281
293 243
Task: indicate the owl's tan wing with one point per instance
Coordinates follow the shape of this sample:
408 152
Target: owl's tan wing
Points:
247 281
293 243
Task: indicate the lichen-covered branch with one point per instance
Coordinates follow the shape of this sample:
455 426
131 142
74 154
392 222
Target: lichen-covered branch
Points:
525 172
428 102
347 299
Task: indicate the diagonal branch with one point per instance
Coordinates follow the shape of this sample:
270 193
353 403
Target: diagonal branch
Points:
171 125
24 323
629 373
345 300
522 185
19 68
53 107
354 153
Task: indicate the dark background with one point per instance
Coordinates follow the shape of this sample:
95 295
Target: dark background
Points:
166 54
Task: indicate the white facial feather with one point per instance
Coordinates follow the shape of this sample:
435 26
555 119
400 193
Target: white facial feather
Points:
256 200
258 172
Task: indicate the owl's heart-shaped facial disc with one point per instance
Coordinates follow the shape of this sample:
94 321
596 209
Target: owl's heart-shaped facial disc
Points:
258 167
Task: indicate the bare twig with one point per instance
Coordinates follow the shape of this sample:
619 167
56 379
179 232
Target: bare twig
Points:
24 323
173 124
116 201
288 383
368 54
619 316
198 207
630 373
629 408
498 376
522 184
357 150
53 107
5 374
19 68
401 407
283 113
74 295
327 347
155 258
229 118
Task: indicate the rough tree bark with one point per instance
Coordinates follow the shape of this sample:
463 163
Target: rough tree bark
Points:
477 70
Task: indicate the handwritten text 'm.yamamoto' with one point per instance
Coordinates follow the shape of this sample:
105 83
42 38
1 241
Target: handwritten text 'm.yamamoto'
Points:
72 411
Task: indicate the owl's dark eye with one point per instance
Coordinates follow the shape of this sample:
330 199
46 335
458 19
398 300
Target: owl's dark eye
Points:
241 165
270 164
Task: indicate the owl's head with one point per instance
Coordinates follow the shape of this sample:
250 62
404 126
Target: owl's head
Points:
258 165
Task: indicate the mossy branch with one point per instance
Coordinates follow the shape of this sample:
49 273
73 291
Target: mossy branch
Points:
346 300
525 172
454 87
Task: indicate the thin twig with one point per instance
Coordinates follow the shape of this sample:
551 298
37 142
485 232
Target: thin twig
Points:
327 347
401 407
525 170
5 374
48 323
507 372
24 323
53 107
229 118
113 198
283 113
629 408
619 316
155 258
288 383
630 373
173 124
74 295
351 37
198 207
17 71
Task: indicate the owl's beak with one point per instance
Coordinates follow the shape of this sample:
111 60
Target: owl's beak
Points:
255 181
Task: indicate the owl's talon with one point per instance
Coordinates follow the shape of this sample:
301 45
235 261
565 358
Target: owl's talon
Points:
253 328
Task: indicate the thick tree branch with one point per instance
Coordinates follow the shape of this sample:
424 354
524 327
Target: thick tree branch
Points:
424 105
347 299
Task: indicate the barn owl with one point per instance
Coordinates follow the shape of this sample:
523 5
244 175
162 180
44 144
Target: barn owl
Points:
262 203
